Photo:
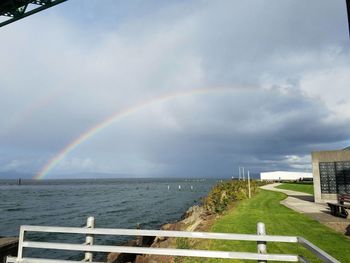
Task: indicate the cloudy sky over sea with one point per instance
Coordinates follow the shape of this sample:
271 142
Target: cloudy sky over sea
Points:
174 88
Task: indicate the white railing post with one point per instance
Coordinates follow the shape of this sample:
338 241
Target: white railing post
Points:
89 240
20 243
261 244
90 231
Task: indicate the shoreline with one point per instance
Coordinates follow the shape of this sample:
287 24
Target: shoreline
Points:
197 218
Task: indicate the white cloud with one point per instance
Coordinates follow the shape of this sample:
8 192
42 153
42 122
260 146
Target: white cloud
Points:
14 165
299 162
74 164
331 86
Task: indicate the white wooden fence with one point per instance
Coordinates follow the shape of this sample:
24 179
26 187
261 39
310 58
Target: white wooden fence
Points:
89 247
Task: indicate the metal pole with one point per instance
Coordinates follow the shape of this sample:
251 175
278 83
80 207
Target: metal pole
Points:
89 240
260 227
239 173
243 173
348 8
249 192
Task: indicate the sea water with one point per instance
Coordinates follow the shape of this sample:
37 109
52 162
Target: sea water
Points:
115 203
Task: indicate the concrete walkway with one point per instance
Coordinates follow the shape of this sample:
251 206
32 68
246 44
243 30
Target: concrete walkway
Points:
304 203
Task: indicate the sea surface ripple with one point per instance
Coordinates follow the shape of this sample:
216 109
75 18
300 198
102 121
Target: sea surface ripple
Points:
115 203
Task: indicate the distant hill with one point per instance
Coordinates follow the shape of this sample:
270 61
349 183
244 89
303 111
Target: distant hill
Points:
87 175
347 148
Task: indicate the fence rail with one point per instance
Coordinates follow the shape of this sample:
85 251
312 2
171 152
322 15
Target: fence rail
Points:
89 247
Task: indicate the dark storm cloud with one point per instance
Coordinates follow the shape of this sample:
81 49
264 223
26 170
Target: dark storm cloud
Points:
296 127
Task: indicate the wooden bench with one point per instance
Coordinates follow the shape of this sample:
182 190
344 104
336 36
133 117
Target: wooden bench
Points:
339 209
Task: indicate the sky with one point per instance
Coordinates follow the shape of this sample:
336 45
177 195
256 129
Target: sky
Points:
278 75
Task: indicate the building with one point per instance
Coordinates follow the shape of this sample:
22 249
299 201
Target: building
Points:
331 172
284 176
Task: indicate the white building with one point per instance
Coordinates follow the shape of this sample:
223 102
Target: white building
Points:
284 176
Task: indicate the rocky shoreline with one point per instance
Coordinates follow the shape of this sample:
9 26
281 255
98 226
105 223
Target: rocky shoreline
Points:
196 218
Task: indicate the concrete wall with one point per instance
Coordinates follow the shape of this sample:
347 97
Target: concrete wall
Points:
325 156
284 176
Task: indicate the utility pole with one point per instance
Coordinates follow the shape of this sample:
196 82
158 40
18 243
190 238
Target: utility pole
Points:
249 192
243 174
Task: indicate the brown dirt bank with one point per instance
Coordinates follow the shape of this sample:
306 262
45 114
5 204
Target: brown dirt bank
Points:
197 218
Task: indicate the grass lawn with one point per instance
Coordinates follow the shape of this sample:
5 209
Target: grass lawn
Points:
305 188
279 220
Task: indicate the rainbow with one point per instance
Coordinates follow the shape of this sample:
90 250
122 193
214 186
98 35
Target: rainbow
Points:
43 172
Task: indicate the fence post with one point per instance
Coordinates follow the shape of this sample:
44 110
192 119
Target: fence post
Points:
261 244
89 240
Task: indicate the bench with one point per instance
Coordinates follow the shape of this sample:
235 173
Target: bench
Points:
339 209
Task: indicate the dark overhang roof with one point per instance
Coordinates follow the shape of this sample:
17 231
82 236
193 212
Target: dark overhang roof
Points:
18 9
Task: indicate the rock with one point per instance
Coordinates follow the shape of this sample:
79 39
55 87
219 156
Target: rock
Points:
153 259
193 214
123 257
193 219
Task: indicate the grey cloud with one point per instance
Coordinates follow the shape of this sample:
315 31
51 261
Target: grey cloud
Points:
54 88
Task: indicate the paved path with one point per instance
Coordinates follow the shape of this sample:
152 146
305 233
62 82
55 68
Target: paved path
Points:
304 203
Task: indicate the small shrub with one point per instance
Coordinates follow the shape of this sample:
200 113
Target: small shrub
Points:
224 193
182 243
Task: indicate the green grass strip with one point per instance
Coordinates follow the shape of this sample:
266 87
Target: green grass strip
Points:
265 207
299 187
